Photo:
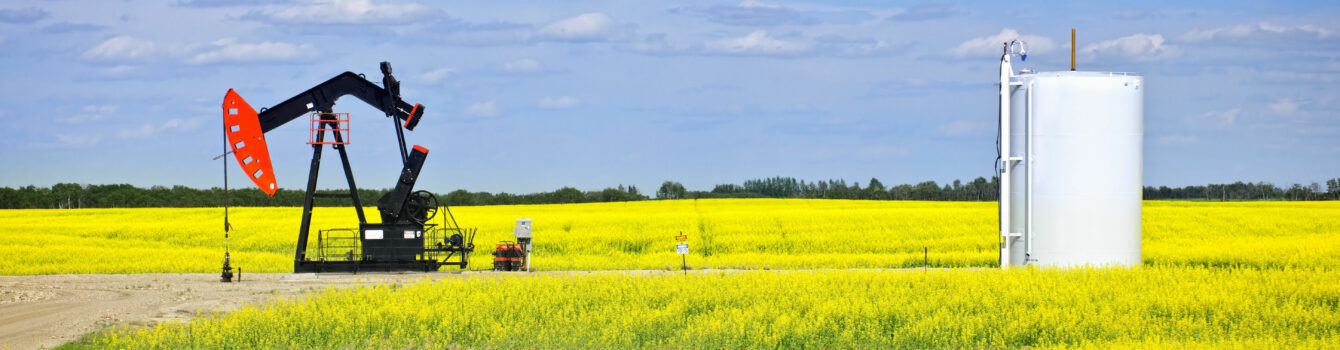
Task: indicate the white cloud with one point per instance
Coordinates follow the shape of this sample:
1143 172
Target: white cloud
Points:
226 3
844 46
486 34
926 11
91 113
101 109
561 102
992 45
76 140
584 27
348 12
1140 47
127 48
883 152
25 15
118 71
756 43
660 44
483 109
762 43
756 4
1284 106
438 75
960 128
81 118
755 14
229 50
522 65
1176 139
1259 31
1294 77
64 141
1222 118
150 130
122 47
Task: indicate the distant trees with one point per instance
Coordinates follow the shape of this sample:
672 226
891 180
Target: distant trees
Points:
671 190
1239 191
562 195
68 195
979 189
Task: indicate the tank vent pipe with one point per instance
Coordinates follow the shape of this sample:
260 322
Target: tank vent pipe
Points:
1072 49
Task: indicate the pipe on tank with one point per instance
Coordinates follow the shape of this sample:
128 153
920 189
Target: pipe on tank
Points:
1072 49
1028 181
1008 159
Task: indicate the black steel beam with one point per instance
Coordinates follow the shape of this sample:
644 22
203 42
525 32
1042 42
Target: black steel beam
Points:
349 175
323 96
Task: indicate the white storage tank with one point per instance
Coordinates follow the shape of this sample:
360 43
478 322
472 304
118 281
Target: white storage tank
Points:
1071 187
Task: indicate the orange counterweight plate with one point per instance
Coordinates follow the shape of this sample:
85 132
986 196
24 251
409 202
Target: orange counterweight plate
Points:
247 141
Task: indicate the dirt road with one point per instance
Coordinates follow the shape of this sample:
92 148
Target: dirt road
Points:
46 311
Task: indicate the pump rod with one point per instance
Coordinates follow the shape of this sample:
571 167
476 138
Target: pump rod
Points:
226 225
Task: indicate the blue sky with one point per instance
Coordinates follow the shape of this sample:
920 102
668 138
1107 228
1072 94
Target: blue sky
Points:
525 97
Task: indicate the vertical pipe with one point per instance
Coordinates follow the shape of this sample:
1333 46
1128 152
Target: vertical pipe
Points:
1005 71
1072 49
1028 176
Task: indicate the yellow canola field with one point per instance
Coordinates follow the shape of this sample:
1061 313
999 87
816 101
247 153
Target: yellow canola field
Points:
1254 275
1142 308
723 233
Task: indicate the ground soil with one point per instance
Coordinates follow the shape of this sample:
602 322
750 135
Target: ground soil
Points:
39 312
42 312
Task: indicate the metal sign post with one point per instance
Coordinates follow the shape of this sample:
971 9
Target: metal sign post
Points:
683 250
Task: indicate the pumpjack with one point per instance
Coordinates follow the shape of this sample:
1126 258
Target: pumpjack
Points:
405 239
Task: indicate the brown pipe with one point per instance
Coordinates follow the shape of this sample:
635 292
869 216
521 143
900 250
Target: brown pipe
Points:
1072 49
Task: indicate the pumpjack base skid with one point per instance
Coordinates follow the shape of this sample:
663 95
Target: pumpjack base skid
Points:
389 248
371 266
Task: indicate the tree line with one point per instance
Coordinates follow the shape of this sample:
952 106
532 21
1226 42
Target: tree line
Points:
1239 191
979 189
563 195
69 195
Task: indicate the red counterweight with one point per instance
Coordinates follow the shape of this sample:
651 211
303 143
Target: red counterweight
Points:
247 142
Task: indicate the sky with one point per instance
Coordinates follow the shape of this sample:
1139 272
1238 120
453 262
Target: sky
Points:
524 97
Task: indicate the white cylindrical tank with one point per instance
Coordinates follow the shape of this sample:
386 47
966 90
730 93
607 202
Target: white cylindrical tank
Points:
1076 188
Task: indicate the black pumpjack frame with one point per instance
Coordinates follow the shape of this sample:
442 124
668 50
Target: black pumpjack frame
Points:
404 240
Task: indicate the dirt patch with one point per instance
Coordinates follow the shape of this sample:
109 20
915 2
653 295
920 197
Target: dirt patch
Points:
50 310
